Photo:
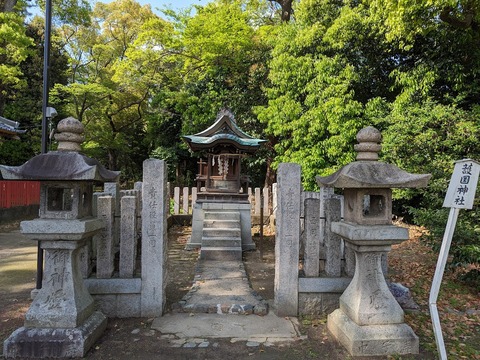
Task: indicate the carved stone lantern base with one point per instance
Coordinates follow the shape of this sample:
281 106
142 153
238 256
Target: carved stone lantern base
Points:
55 342
370 322
372 340
62 321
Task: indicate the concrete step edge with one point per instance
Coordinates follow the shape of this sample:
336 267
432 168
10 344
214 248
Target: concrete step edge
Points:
226 238
221 229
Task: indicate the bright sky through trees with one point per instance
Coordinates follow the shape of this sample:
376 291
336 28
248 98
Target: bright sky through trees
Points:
156 5
160 4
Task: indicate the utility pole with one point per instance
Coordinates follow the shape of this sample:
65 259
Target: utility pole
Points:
44 148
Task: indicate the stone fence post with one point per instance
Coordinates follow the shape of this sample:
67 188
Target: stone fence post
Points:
104 240
155 200
311 255
128 236
333 244
287 242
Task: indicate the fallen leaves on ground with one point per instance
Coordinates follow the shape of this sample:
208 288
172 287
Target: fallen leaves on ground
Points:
413 264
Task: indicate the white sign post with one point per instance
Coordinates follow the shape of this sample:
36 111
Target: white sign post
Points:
460 195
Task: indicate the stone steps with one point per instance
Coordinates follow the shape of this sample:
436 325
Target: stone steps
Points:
221 236
221 253
216 242
227 233
222 215
220 223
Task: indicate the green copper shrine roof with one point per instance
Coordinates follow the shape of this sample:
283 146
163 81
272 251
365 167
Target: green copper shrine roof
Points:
224 131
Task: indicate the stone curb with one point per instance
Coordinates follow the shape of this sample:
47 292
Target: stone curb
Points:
226 309
199 343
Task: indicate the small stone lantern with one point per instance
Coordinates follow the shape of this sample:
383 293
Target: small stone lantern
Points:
369 320
62 321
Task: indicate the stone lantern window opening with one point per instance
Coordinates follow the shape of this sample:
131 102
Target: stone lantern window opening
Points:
66 200
373 205
368 206
59 199
86 200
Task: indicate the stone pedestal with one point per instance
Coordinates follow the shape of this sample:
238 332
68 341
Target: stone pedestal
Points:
372 340
61 321
370 321
54 342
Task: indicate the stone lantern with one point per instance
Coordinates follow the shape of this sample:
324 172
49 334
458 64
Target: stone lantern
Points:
62 321
369 320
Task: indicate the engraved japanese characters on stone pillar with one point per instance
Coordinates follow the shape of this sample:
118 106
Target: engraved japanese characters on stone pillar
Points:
288 239
154 245
311 256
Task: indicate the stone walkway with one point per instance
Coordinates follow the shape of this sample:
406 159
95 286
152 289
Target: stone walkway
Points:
200 330
215 307
221 287
213 311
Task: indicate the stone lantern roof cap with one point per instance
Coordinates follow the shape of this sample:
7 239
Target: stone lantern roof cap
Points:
65 164
367 172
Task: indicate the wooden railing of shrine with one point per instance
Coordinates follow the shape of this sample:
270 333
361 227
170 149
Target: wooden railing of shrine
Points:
183 198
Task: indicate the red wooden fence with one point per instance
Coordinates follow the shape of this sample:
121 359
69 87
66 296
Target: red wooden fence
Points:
19 193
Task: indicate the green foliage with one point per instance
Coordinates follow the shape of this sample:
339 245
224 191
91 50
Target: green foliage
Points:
14 49
74 12
218 59
14 152
343 65
467 254
313 107
169 154
465 244
224 65
472 277
139 82
26 106
110 82
427 138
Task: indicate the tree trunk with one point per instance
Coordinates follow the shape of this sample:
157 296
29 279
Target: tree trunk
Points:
112 159
271 175
7 5
460 23
2 101
287 9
